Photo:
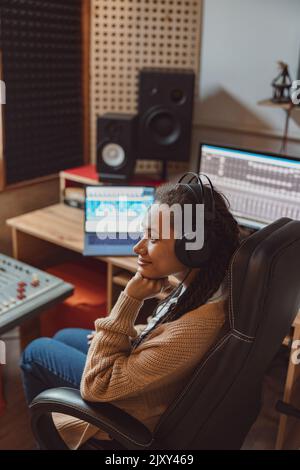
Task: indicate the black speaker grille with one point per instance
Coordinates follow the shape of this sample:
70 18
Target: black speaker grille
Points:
42 69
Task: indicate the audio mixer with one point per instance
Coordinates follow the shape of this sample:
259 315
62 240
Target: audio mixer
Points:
25 291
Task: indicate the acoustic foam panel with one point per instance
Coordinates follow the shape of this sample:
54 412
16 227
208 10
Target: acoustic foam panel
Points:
42 67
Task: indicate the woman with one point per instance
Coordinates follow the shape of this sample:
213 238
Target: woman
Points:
142 368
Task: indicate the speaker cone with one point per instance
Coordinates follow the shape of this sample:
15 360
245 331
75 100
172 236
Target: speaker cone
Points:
163 126
113 155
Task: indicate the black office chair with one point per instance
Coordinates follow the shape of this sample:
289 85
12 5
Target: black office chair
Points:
217 407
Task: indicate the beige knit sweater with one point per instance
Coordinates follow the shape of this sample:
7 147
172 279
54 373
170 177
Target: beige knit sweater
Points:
146 380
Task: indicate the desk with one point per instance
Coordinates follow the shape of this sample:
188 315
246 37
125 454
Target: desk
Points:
39 235
42 235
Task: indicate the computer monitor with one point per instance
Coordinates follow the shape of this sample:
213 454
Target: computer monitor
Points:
260 187
113 216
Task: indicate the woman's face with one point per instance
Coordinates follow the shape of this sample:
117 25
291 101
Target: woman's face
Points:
156 254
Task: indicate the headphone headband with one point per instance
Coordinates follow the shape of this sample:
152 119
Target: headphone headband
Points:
211 193
210 215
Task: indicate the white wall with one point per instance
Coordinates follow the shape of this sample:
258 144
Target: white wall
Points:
241 42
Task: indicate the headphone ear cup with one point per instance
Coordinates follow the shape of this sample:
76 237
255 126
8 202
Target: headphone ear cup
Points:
180 251
196 258
191 258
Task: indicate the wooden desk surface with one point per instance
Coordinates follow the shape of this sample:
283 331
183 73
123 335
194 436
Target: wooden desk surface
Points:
63 226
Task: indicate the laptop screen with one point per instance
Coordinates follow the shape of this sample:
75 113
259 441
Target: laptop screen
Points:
116 209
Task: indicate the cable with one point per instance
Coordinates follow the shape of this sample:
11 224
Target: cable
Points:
144 334
284 141
195 175
211 193
177 288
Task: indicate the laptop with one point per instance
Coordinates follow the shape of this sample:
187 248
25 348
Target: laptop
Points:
113 216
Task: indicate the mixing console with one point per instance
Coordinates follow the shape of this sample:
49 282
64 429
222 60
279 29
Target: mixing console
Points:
25 290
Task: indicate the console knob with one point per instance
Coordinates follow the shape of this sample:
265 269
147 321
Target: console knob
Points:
35 280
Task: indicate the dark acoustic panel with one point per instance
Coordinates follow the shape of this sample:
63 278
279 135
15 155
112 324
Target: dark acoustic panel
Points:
42 69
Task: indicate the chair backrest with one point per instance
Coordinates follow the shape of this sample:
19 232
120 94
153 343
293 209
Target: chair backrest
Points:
217 407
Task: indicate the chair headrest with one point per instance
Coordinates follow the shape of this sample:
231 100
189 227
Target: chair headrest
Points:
265 271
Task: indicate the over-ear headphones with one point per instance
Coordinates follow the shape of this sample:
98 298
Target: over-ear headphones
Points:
203 194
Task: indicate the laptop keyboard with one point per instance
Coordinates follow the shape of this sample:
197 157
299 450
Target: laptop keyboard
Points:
94 240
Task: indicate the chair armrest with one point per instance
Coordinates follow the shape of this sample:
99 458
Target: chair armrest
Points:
287 409
126 429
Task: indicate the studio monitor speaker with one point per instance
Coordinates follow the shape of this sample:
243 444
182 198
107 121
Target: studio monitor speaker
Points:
116 146
165 113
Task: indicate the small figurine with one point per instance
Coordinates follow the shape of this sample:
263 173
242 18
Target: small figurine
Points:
282 85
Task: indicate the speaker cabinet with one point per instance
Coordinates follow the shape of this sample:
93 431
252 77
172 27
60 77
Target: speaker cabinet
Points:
165 113
116 146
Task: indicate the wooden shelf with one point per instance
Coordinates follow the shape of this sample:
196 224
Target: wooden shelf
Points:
271 104
87 175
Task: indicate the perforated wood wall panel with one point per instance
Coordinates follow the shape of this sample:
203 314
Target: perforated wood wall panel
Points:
127 35
41 47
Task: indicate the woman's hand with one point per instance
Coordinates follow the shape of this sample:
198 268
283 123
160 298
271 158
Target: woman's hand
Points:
142 288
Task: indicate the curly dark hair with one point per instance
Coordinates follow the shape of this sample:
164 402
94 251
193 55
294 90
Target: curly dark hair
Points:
224 239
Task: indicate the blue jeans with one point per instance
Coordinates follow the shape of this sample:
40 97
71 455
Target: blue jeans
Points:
54 362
